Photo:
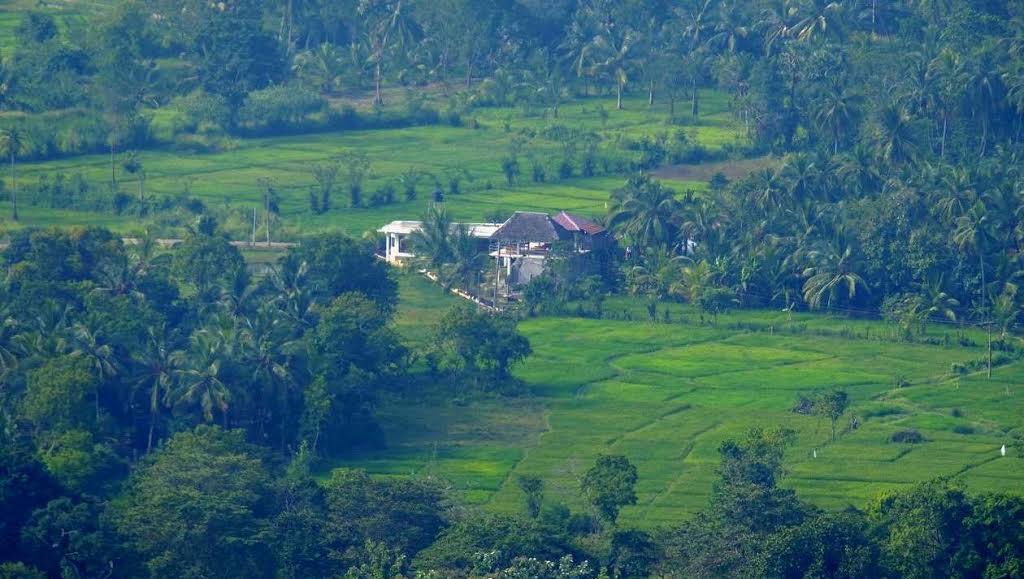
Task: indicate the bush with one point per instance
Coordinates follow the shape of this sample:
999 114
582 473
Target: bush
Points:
281 105
883 411
963 429
383 196
907 436
204 113
565 169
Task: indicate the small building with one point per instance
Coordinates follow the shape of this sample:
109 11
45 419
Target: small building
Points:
397 248
519 246
523 243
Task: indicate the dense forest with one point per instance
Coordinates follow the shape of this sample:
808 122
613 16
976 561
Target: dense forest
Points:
167 411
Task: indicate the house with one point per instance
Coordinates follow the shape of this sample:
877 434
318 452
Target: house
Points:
396 248
522 244
519 246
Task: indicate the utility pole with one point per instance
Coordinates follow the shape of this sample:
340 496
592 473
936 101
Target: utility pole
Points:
253 241
497 270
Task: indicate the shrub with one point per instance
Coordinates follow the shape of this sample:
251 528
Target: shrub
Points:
281 105
383 196
203 113
565 169
538 175
963 429
510 167
907 436
883 411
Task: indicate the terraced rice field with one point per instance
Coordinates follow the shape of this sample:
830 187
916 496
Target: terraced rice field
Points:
667 395
230 179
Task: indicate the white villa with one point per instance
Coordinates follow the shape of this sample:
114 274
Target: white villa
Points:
396 237
519 246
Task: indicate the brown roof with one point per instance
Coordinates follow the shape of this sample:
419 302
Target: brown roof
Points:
530 227
575 223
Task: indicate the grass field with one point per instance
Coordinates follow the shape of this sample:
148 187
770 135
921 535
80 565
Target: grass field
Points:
666 395
67 13
230 179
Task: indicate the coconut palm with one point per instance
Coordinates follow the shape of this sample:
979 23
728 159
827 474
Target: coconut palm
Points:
836 112
655 274
609 54
13 141
896 137
88 343
432 241
831 275
323 67
985 89
158 367
199 377
466 261
266 348
814 19
973 232
645 212
390 25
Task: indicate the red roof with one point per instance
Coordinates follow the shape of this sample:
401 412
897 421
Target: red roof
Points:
576 223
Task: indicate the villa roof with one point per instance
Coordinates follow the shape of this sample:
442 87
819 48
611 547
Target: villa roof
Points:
576 223
478 230
530 227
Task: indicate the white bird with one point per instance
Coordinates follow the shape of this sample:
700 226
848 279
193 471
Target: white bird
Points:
816 452
1002 450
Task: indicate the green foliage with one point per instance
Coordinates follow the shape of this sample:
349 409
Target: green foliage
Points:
610 485
405 514
336 264
207 263
199 506
475 340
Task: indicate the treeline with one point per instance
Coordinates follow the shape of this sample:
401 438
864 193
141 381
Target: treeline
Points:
108 350
208 503
900 189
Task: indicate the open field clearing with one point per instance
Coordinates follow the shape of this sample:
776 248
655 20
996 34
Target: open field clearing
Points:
230 179
666 395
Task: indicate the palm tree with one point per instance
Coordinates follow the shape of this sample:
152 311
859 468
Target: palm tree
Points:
836 112
432 240
13 142
973 231
985 88
896 137
266 347
859 171
655 275
695 20
609 54
802 177
89 344
645 212
947 71
693 281
387 21
815 18
159 366
831 272
323 66
199 376
466 261
937 303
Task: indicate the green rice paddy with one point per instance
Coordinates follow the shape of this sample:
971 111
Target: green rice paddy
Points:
230 179
667 394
